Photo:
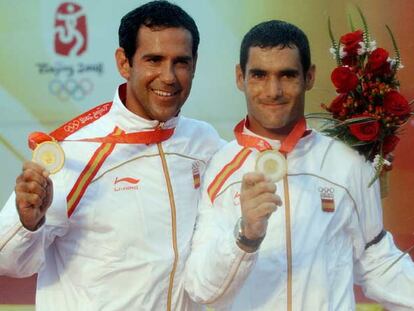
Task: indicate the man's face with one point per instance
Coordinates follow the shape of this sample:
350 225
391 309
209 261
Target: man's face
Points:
274 85
160 76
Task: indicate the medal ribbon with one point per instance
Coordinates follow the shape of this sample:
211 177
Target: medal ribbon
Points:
146 137
260 144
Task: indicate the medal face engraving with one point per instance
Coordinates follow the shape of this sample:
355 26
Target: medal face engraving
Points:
272 164
50 155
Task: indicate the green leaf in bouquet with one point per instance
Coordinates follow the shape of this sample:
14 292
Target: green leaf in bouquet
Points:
356 120
364 23
335 45
396 49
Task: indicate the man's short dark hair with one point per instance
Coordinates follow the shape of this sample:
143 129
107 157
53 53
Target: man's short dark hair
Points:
155 15
276 33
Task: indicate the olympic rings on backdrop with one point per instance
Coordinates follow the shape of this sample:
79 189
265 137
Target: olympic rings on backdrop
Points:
56 87
70 88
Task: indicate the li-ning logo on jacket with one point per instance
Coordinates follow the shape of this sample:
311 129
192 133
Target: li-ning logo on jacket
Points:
125 183
70 30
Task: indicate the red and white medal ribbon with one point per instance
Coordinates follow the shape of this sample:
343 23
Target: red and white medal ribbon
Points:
272 163
48 153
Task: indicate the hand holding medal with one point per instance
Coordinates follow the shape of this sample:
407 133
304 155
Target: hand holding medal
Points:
258 196
258 200
34 188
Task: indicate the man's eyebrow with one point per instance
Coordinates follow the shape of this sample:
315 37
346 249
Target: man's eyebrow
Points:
184 58
151 56
257 71
290 71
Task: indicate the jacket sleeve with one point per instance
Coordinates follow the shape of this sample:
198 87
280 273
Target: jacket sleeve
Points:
217 267
22 252
384 272
387 275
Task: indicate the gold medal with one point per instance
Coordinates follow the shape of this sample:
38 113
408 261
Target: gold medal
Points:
272 164
50 155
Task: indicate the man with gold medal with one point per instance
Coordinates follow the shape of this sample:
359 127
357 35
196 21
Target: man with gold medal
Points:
105 212
286 219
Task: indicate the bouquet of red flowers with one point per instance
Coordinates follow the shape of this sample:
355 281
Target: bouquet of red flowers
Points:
369 110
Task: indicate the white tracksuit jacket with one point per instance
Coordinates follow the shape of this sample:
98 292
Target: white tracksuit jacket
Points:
125 245
314 249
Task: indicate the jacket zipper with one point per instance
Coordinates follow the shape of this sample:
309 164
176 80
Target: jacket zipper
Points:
288 243
174 223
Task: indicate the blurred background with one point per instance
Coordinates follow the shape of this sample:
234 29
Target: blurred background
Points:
43 83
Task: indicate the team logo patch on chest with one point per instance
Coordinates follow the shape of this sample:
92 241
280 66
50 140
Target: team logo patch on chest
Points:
327 199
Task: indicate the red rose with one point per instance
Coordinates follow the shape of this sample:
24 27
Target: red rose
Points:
378 62
389 144
351 42
350 61
365 130
344 79
395 103
337 105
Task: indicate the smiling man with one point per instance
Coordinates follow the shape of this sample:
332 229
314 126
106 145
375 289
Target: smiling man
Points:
111 230
298 242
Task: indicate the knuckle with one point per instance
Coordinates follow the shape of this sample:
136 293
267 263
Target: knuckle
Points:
27 174
261 186
37 201
32 186
247 178
266 187
270 187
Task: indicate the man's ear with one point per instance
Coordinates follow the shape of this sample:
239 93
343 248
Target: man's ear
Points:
239 78
310 77
122 63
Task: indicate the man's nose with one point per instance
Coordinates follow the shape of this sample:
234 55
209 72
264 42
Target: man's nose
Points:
167 74
274 88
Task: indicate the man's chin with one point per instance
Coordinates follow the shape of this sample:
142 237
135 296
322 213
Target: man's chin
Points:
165 115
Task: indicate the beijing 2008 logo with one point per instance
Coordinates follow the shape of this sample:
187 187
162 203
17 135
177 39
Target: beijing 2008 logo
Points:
70 30
71 77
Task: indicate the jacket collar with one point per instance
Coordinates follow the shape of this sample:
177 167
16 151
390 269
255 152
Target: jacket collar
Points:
301 148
